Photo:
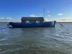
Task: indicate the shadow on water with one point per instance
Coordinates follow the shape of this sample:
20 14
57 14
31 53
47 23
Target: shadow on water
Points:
34 41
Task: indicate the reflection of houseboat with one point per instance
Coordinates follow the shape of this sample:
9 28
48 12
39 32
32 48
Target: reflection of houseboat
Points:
32 22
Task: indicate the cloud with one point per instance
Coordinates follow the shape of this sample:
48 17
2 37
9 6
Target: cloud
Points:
33 15
64 20
5 18
60 14
45 19
2 18
8 18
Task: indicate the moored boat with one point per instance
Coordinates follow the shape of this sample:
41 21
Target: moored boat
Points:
27 22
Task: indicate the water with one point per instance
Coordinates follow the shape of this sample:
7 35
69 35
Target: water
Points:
54 40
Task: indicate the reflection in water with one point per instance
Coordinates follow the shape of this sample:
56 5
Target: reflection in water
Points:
35 40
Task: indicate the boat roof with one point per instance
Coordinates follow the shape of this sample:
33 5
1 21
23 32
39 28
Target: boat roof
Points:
32 18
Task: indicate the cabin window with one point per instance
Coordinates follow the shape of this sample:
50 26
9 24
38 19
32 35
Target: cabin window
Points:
27 21
37 21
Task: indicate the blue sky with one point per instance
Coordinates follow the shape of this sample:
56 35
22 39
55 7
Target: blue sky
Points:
13 10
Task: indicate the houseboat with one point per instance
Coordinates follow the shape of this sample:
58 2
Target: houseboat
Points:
27 22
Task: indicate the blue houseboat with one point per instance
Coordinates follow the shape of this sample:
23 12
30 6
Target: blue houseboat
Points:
27 22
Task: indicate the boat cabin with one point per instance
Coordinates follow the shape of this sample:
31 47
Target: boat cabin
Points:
32 19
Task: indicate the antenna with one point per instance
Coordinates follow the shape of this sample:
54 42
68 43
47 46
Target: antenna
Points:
44 12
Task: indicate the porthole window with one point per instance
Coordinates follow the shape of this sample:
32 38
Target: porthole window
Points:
27 21
37 22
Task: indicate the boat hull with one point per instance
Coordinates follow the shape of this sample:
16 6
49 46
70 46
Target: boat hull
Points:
27 25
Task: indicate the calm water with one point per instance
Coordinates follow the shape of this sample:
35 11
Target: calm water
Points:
52 40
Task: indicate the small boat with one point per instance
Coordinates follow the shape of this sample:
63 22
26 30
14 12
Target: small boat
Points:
28 22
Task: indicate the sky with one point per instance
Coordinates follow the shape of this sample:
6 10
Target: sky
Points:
13 10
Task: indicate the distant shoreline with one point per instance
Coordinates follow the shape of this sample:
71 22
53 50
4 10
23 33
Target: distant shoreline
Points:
65 22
